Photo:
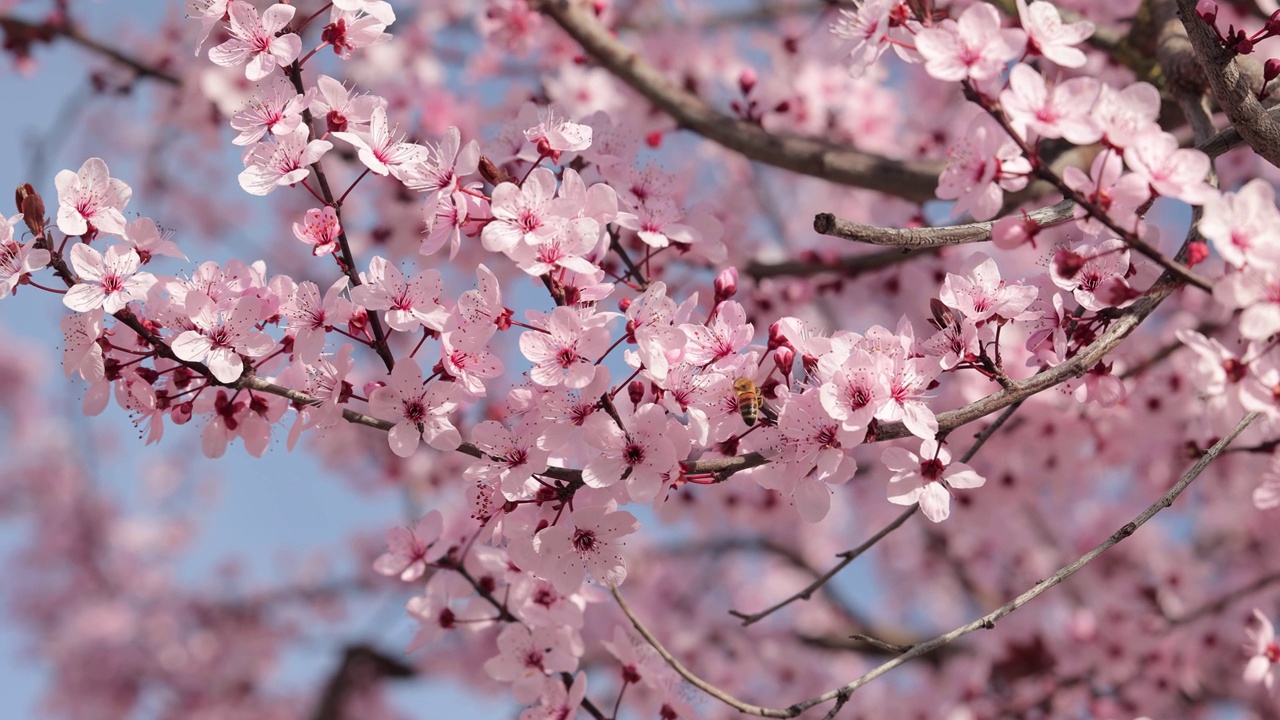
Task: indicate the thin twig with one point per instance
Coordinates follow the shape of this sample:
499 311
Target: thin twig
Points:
1226 599
932 237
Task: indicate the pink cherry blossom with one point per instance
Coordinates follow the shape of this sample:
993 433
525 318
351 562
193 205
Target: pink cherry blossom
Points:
643 453
1107 186
81 352
340 110
17 260
974 47
908 379
864 31
555 134
221 337
417 411
1244 226
983 162
254 41
726 334
855 387
650 320
585 541
1170 171
556 702
1128 114
379 149
525 656
1059 111
409 303
411 550
91 197
108 281
981 294
442 168
566 351
1047 35
513 458
149 240
320 230
468 362
813 456
210 13
309 316
522 213
1265 652
276 108
927 478
287 160
360 27
1100 267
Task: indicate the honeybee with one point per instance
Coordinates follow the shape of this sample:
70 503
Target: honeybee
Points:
749 400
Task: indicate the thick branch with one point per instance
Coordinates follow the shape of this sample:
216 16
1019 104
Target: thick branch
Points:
1233 88
931 237
911 179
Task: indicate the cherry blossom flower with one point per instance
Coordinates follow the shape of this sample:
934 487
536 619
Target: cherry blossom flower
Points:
908 378
334 103
1048 36
864 31
513 458
522 213
310 317
726 334
565 249
276 108
1244 226
354 28
556 702
955 343
409 303
91 197
585 541
1128 114
254 40
927 478
1107 186
974 47
416 411
525 656
378 148
567 351
644 453
1265 652
320 230
108 281
1177 173
983 161
480 313
222 336
813 456
81 352
1257 293
411 550
659 343
981 294
210 13
17 260
1060 111
442 168
147 238
1216 367
326 382
1097 270
286 161
468 362
855 388
554 134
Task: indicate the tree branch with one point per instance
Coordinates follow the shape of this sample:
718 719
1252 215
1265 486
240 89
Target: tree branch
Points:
914 180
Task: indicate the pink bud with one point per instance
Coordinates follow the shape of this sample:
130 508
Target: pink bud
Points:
635 391
747 80
726 284
1208 11
776 338
784 358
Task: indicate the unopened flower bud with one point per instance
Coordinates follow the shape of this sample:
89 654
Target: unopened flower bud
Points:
776 338
1198 251
31 205
503 321
747 80
491 173
624 304
635 391
181 413
1208 11
784 358
726 284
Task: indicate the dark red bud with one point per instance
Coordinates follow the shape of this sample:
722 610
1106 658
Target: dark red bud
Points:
726 284
635 391
747 80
